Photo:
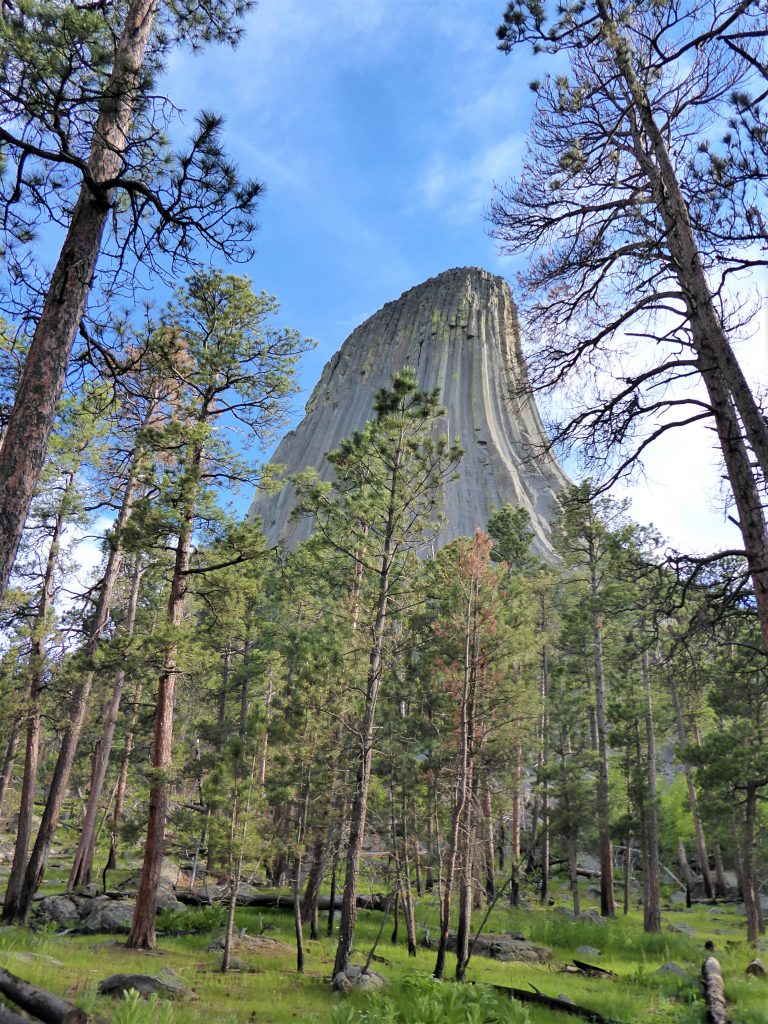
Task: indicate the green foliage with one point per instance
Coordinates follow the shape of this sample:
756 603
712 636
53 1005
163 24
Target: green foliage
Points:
190 922
133 1009
421 999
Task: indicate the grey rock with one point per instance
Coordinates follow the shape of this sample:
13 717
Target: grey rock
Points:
565 999
145 984
677 899
681 929
588 951
60 909
166 900
672 968
114 917
459 331
355 977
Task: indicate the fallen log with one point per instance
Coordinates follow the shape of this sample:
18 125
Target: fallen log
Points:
269 901
41 1004
553 1003
714 992
600 972
9 1017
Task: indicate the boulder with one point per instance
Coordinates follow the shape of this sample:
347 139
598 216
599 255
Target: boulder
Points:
680 929
588 951
675 969
507 949
145 984
60 909
355 977
116 916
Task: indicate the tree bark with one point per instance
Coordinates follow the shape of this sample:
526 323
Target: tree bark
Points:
31 421
39 1003
13 907
82 867
142 935
9 760
607 904
693 803
359 808
77 712
651 901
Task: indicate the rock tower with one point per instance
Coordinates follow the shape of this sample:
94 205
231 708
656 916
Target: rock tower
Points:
459 331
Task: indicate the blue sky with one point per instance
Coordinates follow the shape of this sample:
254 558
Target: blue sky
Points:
379 127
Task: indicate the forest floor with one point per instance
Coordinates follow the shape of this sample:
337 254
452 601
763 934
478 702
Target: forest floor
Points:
269 991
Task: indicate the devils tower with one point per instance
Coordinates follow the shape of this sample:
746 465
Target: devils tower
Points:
459 331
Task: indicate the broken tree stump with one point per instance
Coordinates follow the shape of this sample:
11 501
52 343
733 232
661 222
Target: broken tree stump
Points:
714 992
38 1002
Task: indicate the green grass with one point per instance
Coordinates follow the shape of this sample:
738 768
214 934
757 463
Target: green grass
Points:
274 994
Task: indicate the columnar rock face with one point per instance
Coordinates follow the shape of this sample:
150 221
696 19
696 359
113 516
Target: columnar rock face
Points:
459 332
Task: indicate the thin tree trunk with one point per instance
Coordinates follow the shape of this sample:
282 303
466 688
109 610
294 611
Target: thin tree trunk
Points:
749 861
464 924
359 809
573 873
142 935
651 901
314 881
82 866
607 904
31 421
6 773
461 794
122 781
488 845
693 803
78 710
627 870
14 907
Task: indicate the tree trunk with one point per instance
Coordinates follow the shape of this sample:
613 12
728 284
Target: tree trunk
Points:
78 709
693 803
488 843
6 773
464 924
607 905
461 795
627 871
13 907
122 780
573 873
749 869
82 866
359 809
651 901
314 881
142 935
29 426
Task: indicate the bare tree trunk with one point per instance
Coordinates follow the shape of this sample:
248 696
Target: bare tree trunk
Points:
31 420
607 904
78 709
749 861
6 773
627 870
573 873
489 850
693 803
314 881
122 782
720 886
142 935
517 796
651 901
13 907
461 794
464 924
82 866
359 809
